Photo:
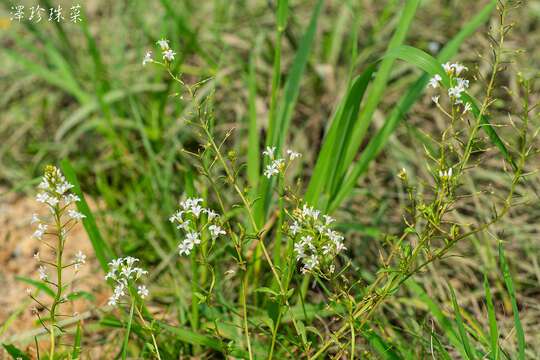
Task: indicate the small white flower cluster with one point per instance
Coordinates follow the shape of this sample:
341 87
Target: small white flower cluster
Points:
55 191
166 52
80 259
124 272
55 194
459 85
445 174
277 165
194 219
315 243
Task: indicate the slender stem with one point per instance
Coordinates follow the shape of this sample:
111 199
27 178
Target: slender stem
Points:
58 295
353 339
274 335
244 313
128 330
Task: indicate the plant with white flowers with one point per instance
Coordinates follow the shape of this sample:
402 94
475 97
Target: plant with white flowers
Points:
125 274
52 232
316 244
458 85
278 165
198 224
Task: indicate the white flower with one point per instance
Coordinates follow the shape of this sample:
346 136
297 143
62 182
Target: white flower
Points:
70 198
458 68
446 174
310 263
328 219
310 212
163 44
44 184
434 81
34 219
467 108
42 197
168 55
142 291
183 225
447 67
211 214
80 259
462 83
177 216
293 154
299 250
326 249
122 271
273 168
193 237
185 247
294 228
215 231
52 201
75 215
306 240
63 187
38 234
455 92
147 58
435 99
196 210
269 151
43 273
339 246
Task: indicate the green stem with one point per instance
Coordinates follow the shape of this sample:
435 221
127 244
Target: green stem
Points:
128 330
244 312
274 334
194 289
58 296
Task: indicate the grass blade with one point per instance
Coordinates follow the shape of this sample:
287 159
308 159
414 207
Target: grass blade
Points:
377 143
101 248
336 140
38 284
76 352
278 128
493 330
379 83
511 291
253 152
461 327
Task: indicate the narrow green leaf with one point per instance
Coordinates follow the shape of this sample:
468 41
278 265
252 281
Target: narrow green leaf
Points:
377 143
80 294
253 151
434 309
461 327
380 346
38 284
511 291
336 141
15 353
493 329
282 14
280 125
380 81
76 352
101 248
